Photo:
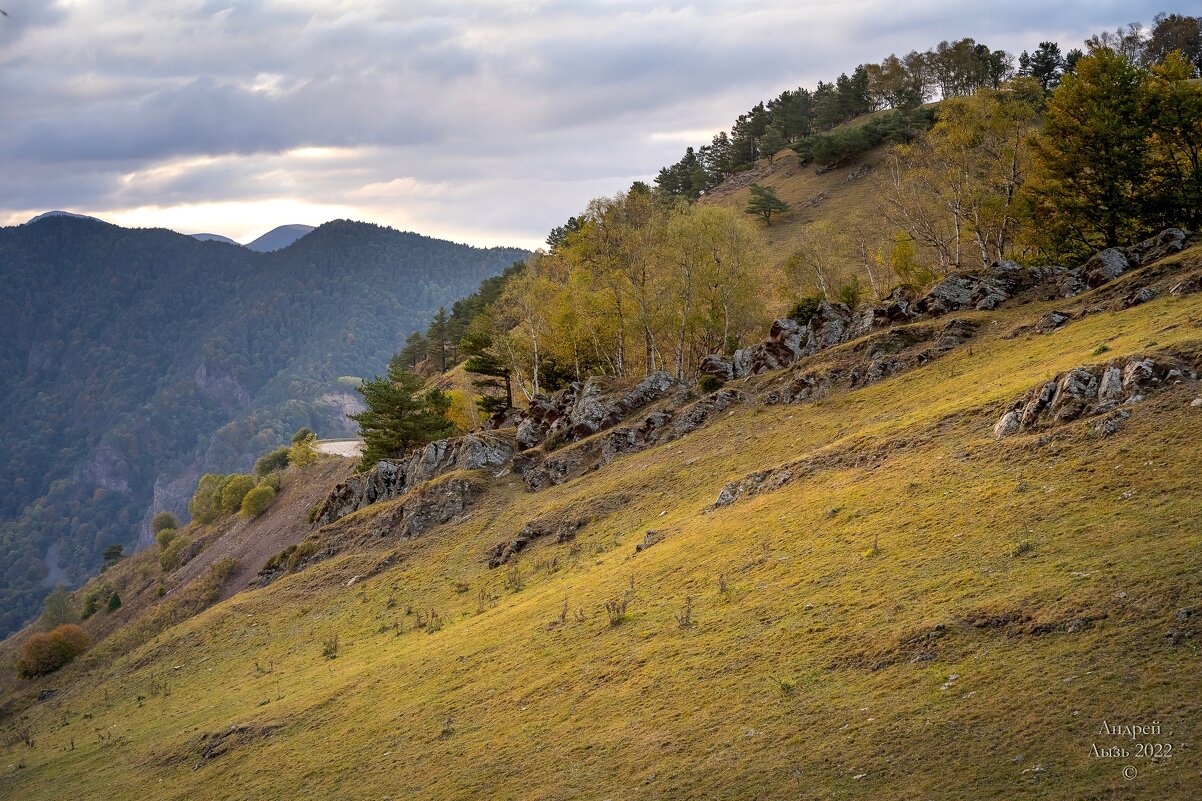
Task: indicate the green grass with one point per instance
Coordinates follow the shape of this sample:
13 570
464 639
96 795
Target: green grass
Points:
509 702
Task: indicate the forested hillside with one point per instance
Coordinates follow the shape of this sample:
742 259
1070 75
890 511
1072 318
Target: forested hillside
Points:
133 360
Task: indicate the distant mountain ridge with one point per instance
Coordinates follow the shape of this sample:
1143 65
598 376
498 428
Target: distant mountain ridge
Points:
280 237
135 359
276 239
214 238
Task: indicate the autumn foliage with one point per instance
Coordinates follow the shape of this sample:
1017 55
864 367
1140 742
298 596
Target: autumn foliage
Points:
45 653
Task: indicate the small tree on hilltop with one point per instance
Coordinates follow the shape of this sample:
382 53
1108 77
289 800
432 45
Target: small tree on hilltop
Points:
764 203
399 416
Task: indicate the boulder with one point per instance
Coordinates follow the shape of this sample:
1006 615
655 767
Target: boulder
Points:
1166 243
828 326
1007 425
1141 295
1111 386
718 367
1104 266
1052 321
1074 394
959 292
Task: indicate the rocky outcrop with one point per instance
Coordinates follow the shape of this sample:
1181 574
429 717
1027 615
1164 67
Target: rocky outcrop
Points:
540 469
562 531
392 479
1089 391
583 409
1107 265
427 506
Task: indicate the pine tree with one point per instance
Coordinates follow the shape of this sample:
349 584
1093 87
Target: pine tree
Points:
477 345
399 416
1046 65
764 203
440 339
1092 155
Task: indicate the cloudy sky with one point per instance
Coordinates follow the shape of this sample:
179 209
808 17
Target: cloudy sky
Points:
483 122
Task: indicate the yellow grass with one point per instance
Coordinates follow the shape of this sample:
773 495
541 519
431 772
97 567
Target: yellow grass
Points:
813 675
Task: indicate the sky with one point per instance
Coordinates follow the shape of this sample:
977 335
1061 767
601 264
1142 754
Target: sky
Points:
481 122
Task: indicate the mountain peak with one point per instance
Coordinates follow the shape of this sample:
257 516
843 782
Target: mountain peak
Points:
279 237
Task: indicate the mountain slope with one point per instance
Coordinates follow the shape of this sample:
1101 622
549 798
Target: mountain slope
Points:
134 360
279 237
213 238
905 607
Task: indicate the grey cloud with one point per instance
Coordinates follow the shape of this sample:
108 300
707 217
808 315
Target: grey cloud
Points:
516 114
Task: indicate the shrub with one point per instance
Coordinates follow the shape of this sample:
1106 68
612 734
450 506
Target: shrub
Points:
233 491
257 500
165 537
205 506
272 461
172 556
804 309
303 434
616 609
46 653
94 598
851 292
709 383
163 521
114 602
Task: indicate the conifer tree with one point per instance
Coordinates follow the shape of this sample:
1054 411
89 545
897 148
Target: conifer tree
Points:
764 203
399 416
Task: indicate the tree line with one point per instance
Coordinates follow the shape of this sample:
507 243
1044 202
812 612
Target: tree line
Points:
948 70
1073 155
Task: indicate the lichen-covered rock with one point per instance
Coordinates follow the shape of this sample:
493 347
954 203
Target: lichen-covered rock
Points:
383 482
1104 266
828 326
390 479
584 408
1089 391
1007 425
959 292
1074 393
1052 321
718 367
1141 295
782 347
1166 243
1110 389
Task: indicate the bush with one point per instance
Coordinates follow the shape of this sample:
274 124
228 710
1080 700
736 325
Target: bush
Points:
46 653
233 491
303 434
172 555
114 603
303 451
804 309
709 383
851 292
272 461
94 598
165 537
257 500
205 506
163 521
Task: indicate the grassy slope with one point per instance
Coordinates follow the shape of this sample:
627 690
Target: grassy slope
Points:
771 693
842 196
